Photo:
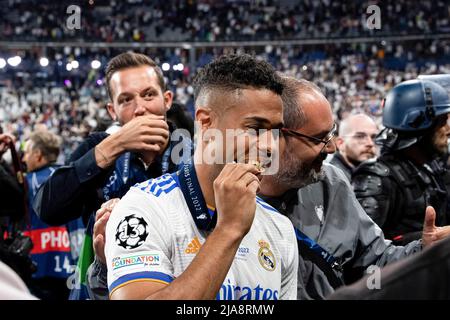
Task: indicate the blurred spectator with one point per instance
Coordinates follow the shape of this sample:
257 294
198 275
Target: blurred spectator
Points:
14 246
11 192
355 143
51 244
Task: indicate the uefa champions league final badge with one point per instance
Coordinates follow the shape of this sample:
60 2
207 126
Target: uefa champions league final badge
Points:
132 232
265 256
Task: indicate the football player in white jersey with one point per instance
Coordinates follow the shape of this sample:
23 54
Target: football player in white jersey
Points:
202 233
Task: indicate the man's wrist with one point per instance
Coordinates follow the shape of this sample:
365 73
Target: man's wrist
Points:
229 233
108 151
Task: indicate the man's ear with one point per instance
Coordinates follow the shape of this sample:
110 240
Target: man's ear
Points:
39 156
339 142
168 99
204 117
110 109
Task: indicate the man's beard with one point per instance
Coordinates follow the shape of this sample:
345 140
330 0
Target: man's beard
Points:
431 148
294 173
439 150
356 162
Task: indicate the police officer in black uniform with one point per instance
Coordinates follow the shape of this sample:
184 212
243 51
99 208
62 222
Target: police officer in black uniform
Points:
395 189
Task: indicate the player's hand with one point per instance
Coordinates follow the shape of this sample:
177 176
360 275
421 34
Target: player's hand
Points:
101 218
235 195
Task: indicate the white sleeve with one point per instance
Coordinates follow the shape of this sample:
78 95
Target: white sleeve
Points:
289 271
138 241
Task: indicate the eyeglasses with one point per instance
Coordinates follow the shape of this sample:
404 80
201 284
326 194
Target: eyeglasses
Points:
328 138
362 136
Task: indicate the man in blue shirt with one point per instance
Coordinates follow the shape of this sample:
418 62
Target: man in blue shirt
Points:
51 244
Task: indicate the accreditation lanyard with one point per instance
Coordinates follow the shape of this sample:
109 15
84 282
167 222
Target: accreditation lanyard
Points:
314 246
204 216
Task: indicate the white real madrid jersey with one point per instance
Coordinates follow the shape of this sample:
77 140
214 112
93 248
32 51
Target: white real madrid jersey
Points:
152 236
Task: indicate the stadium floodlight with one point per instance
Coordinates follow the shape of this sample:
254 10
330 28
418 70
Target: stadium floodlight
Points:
75 64
165 66
95 64
43 62
2 63
14 61
68 66
178 67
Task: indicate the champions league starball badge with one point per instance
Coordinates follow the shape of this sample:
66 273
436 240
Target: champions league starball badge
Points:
131 232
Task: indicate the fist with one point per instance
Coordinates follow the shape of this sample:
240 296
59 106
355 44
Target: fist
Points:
235 195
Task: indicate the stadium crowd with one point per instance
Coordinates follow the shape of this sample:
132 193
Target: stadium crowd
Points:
55 98
224 20
72 102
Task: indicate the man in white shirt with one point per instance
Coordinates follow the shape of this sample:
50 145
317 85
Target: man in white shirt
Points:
202 233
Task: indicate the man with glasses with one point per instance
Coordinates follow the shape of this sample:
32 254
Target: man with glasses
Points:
337 240
355 143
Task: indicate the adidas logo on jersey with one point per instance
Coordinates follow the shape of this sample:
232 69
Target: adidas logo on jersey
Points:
193 246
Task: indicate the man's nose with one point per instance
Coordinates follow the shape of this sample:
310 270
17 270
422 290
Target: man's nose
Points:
268 142
139 109
370 141
331 146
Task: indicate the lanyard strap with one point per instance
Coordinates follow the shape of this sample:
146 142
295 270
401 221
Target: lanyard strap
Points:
314 246
313 252
204 217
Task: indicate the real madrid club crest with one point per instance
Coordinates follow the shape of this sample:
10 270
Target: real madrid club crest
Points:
265 256
319 212
131 232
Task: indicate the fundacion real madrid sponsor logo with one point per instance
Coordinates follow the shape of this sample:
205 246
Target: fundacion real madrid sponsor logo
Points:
265 256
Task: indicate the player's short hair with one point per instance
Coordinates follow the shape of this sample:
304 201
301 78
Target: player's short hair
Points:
231 73
47 143
131 59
